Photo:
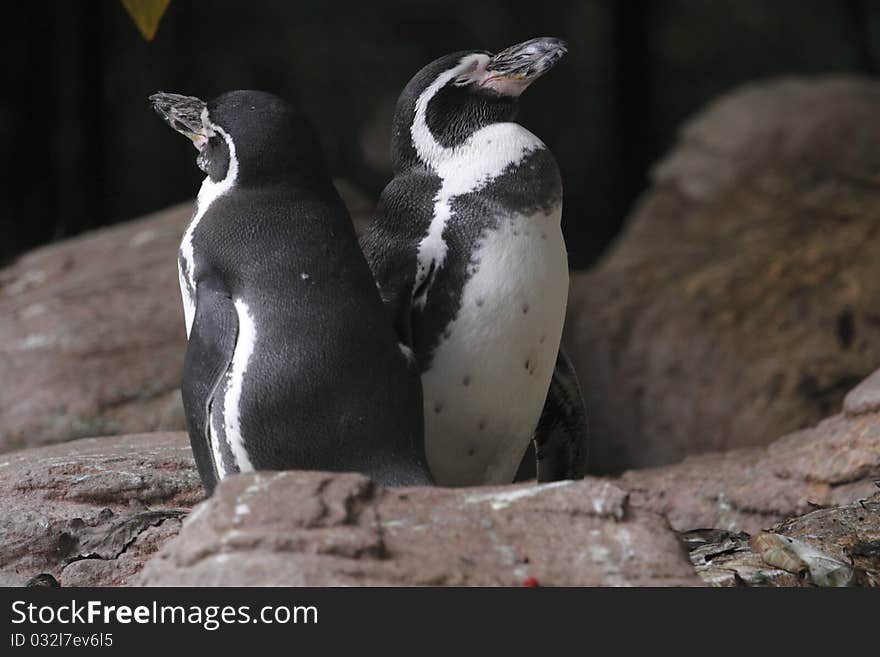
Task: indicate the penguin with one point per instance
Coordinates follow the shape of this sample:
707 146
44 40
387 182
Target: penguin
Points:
468 254
291 362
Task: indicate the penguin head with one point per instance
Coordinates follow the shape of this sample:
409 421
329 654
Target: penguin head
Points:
250 137
456 95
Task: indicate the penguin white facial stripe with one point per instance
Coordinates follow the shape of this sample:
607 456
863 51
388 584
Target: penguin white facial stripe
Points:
209 192
427 148
244 349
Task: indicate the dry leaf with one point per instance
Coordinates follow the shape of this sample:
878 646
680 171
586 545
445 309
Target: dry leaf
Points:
146 14
796 556
777 551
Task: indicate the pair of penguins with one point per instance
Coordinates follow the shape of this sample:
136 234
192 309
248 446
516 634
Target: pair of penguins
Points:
292 362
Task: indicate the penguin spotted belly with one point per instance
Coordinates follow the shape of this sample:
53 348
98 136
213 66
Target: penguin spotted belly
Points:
490 372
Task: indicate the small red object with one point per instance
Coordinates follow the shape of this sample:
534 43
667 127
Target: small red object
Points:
530 581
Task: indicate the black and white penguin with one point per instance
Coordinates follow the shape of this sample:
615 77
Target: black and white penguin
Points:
291 362
469 257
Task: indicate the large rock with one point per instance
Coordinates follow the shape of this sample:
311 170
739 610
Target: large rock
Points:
91 511
319 529
94 511
743 298
91 332
748 489
91 335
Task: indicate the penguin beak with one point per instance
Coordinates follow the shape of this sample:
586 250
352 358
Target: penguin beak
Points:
184 114
513 69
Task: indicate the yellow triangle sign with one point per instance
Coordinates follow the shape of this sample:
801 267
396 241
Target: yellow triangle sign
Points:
146 14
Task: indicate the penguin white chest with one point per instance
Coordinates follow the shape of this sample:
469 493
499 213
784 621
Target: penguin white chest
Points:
489 375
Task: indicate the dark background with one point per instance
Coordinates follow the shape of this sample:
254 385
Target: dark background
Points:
81 149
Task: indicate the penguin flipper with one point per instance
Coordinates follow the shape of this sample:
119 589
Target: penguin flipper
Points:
208 354
390 245
396 290
562 434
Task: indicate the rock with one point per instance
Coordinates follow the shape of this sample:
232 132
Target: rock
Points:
92 511
43 581
865 397
839 546
743 298
320 529
748 489
91 332
91 335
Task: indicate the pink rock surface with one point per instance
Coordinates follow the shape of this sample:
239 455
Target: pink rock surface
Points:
318 529
835 462
742 300
90 512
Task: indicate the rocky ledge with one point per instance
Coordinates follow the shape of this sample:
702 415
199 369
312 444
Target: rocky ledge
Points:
833 463
316 529
92 511
110 511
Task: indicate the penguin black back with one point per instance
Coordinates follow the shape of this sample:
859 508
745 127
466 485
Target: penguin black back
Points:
291 362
